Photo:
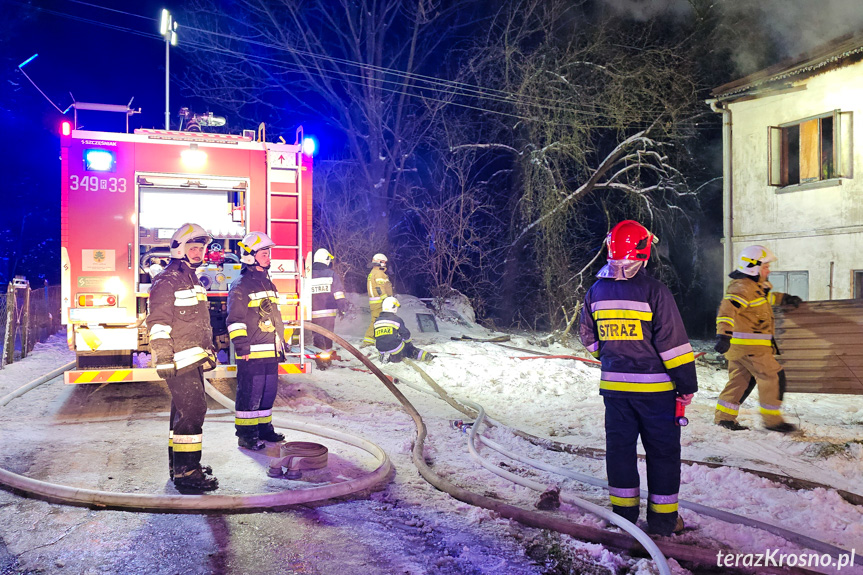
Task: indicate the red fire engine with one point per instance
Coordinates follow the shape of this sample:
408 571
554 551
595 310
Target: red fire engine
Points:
124 195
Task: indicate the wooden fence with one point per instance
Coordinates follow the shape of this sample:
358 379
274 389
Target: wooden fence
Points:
821 345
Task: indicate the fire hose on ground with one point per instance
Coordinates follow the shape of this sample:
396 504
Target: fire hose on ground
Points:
156 502
475 410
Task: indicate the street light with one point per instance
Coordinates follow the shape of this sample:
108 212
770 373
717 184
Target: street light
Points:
168 29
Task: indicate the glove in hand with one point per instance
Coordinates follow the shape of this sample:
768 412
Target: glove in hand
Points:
723 343
210 362
792 300
167 372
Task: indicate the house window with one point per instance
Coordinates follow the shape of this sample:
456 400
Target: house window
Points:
810 150
794 283
858 284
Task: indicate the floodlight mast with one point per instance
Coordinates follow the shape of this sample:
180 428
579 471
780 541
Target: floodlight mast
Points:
168 29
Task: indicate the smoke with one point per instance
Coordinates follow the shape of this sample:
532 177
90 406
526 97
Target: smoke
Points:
757 33
798 26
643 10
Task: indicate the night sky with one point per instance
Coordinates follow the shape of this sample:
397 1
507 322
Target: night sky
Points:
98 55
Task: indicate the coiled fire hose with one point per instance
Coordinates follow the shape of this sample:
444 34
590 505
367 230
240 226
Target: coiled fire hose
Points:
152 502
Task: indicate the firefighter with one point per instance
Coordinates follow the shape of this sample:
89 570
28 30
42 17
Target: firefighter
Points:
744 333
631 323
393 338
181 341
256 330
328 298
379 288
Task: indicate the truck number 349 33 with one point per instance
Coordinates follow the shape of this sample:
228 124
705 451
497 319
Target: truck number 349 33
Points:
95 183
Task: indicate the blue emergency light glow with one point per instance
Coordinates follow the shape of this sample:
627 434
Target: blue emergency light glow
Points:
99 161
309 146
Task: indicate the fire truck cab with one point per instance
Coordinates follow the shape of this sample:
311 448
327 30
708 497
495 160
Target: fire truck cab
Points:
123 196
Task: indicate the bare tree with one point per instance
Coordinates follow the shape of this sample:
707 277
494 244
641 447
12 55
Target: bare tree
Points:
450 228
590 113
351 64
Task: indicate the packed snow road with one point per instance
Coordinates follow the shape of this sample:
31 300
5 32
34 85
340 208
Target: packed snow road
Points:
113 438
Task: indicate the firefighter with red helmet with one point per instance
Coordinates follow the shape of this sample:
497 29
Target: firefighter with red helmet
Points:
393 338
631 323
181 341
328 297
744 333
256 329
379 288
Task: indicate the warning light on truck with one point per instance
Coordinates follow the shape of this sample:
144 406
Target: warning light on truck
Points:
99 161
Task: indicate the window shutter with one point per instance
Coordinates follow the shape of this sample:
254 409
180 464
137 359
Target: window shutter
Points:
774 156
810 153
843 148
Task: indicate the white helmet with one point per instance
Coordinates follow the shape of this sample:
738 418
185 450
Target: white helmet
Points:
188 234
391 304
752 257
379 260
252 244
322 256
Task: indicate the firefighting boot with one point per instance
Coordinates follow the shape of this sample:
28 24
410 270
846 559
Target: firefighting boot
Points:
273 437
663 530
782 427
195 482
732 425
267 433
252 443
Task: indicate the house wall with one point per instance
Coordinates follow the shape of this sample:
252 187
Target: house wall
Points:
811 225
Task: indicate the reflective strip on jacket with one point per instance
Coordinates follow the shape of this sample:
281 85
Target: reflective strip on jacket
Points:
247 319
634 327
746 313
378 285
391 334
179 317
326 289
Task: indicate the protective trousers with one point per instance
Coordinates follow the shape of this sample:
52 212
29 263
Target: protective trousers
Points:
409 351
745 371
328 323
653 419
376 309
257 384
185 429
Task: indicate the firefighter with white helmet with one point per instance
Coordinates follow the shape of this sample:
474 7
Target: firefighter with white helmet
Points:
379 287
744 333
181 341
631 323
328 297
393 338
256 329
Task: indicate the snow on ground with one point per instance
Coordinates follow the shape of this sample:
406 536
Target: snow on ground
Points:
558 399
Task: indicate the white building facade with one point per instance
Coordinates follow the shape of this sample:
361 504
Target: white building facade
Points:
793 170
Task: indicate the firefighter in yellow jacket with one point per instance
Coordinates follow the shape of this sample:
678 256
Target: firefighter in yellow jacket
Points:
744 333
379 288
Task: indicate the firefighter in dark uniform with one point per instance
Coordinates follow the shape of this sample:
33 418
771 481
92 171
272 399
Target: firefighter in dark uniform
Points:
181 341
744 333
328 298
379 288
256 330
631 323
393 338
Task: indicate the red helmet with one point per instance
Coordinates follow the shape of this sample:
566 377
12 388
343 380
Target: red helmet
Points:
629 240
